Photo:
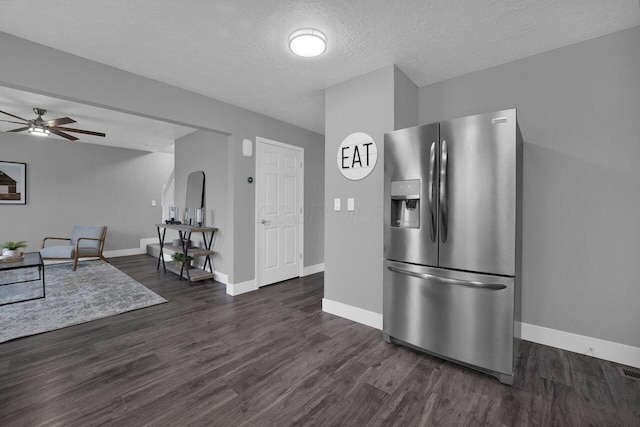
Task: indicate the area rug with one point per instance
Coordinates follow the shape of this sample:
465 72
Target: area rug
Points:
95 290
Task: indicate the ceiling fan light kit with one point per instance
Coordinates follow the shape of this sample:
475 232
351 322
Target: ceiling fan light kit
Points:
39 131
41 127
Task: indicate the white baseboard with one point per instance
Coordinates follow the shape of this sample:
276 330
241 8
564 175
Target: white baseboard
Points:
133 251
601 349
234 289
595 347
250 285
350 312
147 241
221 277
312 269
124 252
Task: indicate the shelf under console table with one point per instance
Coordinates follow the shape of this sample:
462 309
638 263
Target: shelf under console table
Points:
185 232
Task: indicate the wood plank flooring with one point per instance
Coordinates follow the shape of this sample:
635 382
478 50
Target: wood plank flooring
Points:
273 358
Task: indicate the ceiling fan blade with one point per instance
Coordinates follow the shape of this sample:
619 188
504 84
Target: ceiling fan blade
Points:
60 121
86 132
19 129
14 116
62 134
11 121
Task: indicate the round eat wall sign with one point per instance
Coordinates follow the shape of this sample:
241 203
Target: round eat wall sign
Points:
357 156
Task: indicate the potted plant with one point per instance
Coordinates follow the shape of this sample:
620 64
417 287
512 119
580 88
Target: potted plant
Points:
178 257
13 249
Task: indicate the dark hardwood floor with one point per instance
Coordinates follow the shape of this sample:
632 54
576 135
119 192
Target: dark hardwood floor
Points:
273 358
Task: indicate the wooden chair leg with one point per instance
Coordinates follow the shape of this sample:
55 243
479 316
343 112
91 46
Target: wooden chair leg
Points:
75 263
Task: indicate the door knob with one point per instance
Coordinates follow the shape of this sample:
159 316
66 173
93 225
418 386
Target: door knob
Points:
264 222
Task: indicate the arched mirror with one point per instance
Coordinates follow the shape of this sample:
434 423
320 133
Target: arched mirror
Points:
195 194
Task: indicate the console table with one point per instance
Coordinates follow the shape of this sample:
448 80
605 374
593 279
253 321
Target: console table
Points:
185 232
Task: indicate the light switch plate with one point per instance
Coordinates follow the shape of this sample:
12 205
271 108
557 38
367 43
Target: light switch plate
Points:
153 203
336 204
351 204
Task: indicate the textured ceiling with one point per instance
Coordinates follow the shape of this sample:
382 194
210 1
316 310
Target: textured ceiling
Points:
123 130
235 50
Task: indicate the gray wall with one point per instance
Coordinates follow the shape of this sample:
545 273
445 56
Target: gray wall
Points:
40 69
207 152
353 240
579 111
405 100
72 183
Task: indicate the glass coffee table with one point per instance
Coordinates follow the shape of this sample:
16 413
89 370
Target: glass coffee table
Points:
20 280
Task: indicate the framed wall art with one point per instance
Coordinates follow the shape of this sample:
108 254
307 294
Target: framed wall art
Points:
13 183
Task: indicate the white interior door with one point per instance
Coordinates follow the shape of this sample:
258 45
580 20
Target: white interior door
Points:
278 211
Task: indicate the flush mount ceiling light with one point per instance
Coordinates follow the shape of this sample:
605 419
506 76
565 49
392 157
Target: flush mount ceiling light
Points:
307 42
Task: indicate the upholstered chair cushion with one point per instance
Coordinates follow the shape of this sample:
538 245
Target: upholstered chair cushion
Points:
66 251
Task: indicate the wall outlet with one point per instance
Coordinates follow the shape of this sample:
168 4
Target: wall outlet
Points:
351 204
153 203
336 204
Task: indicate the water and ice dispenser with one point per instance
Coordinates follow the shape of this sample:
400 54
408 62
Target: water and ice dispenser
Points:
405 203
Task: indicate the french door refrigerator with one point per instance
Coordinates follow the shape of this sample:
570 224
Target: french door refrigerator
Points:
452 240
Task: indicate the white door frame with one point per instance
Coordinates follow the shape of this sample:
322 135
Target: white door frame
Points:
260 140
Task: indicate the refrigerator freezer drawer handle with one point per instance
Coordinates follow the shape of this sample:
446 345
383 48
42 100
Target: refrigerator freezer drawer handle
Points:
432 206
467 283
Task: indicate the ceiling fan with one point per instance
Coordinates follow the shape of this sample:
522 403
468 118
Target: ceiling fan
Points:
41 127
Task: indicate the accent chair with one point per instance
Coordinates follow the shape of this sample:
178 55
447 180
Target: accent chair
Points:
86 241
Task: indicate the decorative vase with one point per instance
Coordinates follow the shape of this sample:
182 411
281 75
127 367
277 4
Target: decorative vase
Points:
11 253
200 212
187 216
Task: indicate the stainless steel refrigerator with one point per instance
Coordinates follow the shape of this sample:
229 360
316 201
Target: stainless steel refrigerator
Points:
452 240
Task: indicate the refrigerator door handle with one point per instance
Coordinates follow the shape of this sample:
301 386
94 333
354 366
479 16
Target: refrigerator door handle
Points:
466 283
433 209
443 191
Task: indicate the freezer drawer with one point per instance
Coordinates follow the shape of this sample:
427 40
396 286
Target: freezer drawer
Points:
461 316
